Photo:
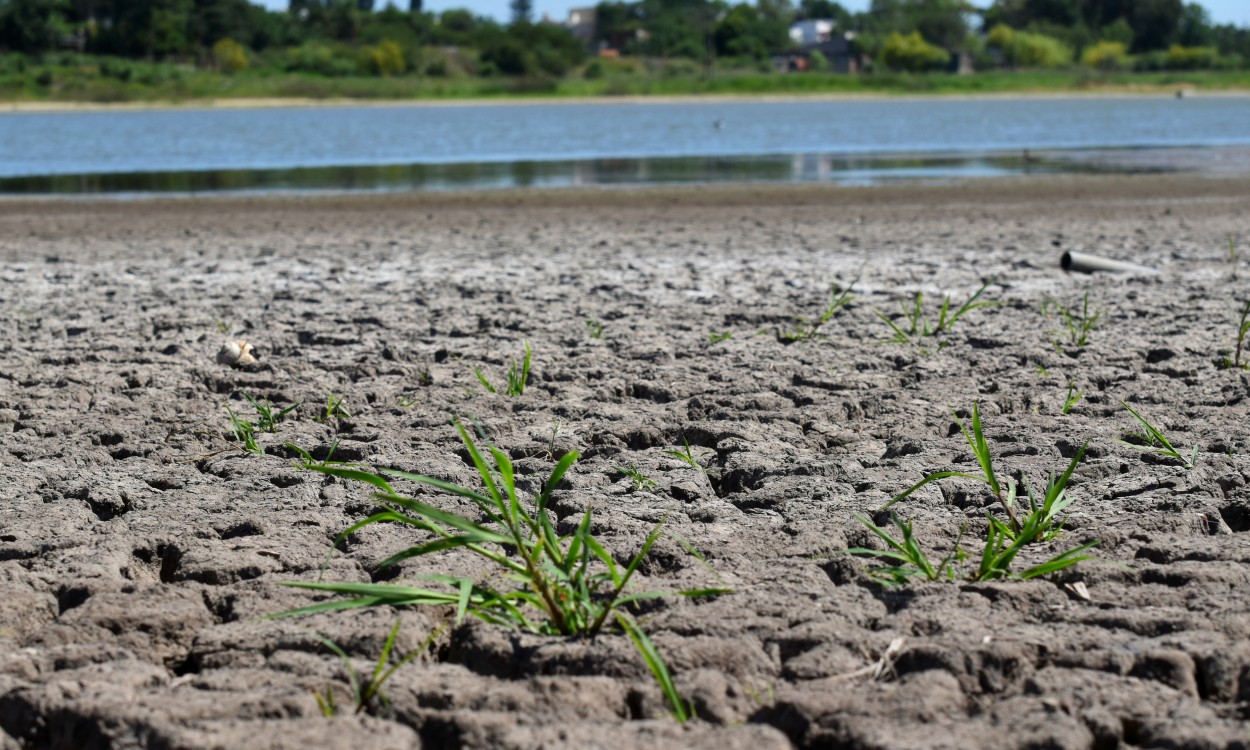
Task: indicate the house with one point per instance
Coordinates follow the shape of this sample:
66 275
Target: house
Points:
581 24
819 35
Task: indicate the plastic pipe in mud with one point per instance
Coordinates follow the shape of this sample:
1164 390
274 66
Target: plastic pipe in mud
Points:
1082 263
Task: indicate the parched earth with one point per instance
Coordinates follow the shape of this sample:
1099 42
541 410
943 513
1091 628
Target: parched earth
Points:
141 548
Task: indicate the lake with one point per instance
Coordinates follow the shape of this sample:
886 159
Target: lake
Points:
457 146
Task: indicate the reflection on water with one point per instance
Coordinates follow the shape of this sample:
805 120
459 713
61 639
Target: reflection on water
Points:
843 169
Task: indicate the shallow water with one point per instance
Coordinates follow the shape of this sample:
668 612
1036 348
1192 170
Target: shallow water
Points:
458 146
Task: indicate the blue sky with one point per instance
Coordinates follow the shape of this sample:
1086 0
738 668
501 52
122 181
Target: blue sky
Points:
1222 11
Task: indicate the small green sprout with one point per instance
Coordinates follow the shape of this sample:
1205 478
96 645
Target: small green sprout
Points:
641 481
334 408
1072 398
807 329
716 338
687 455
244 432
268 418
365 692
1041 371
1243 328
596 328
918 325
518 377
1078 325
1154 441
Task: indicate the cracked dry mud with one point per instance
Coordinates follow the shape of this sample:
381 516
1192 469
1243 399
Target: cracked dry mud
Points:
140 549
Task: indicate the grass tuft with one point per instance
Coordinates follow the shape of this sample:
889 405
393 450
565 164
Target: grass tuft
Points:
365 693
808 329
918 324
1078 325
567 585
518 376
1154 441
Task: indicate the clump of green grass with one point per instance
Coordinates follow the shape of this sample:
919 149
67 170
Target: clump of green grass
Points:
1004 540
1078 324
807 329
268 419
717 337
368 691
334 408
567 585
917 324
1154 441
595 328
1234 362
1072 398
909 560
244 433
518 376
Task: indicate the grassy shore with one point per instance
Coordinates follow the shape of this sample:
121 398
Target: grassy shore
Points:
83 82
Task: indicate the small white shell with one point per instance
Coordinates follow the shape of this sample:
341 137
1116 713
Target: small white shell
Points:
237 352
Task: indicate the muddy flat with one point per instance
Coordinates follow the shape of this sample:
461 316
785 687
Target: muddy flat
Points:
142 549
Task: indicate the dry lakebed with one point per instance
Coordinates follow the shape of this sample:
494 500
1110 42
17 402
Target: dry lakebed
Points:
143 549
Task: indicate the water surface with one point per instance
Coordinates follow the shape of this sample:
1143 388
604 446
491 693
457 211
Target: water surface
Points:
465 146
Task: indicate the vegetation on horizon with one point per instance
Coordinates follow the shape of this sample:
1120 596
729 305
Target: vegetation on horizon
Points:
95 50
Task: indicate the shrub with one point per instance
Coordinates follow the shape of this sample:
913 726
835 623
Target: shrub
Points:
593 71
1107 56
387 58
817 61
1038 51
320 58
1191 58
913 53
436 69
229 56
1001 36
509 57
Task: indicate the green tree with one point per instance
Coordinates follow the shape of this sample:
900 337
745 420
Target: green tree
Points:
522 10
912 53
32 26
1195 28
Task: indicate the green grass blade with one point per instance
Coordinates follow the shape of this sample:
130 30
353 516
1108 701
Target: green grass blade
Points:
345 472
927 480
656 664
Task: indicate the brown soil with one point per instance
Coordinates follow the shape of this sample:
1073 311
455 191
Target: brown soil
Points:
140 549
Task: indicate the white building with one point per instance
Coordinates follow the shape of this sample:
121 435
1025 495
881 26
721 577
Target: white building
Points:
812 32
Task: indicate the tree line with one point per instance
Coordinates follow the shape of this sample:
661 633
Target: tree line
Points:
351 37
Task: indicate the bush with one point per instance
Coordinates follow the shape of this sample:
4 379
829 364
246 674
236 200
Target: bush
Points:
1000 37
1027 50
593 71
1107 56
913 53
1038 51
118 69
229 56
817 61
436 69
316 57
387 58
1191 58
508 57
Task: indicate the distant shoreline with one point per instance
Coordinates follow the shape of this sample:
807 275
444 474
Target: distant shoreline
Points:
20 107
